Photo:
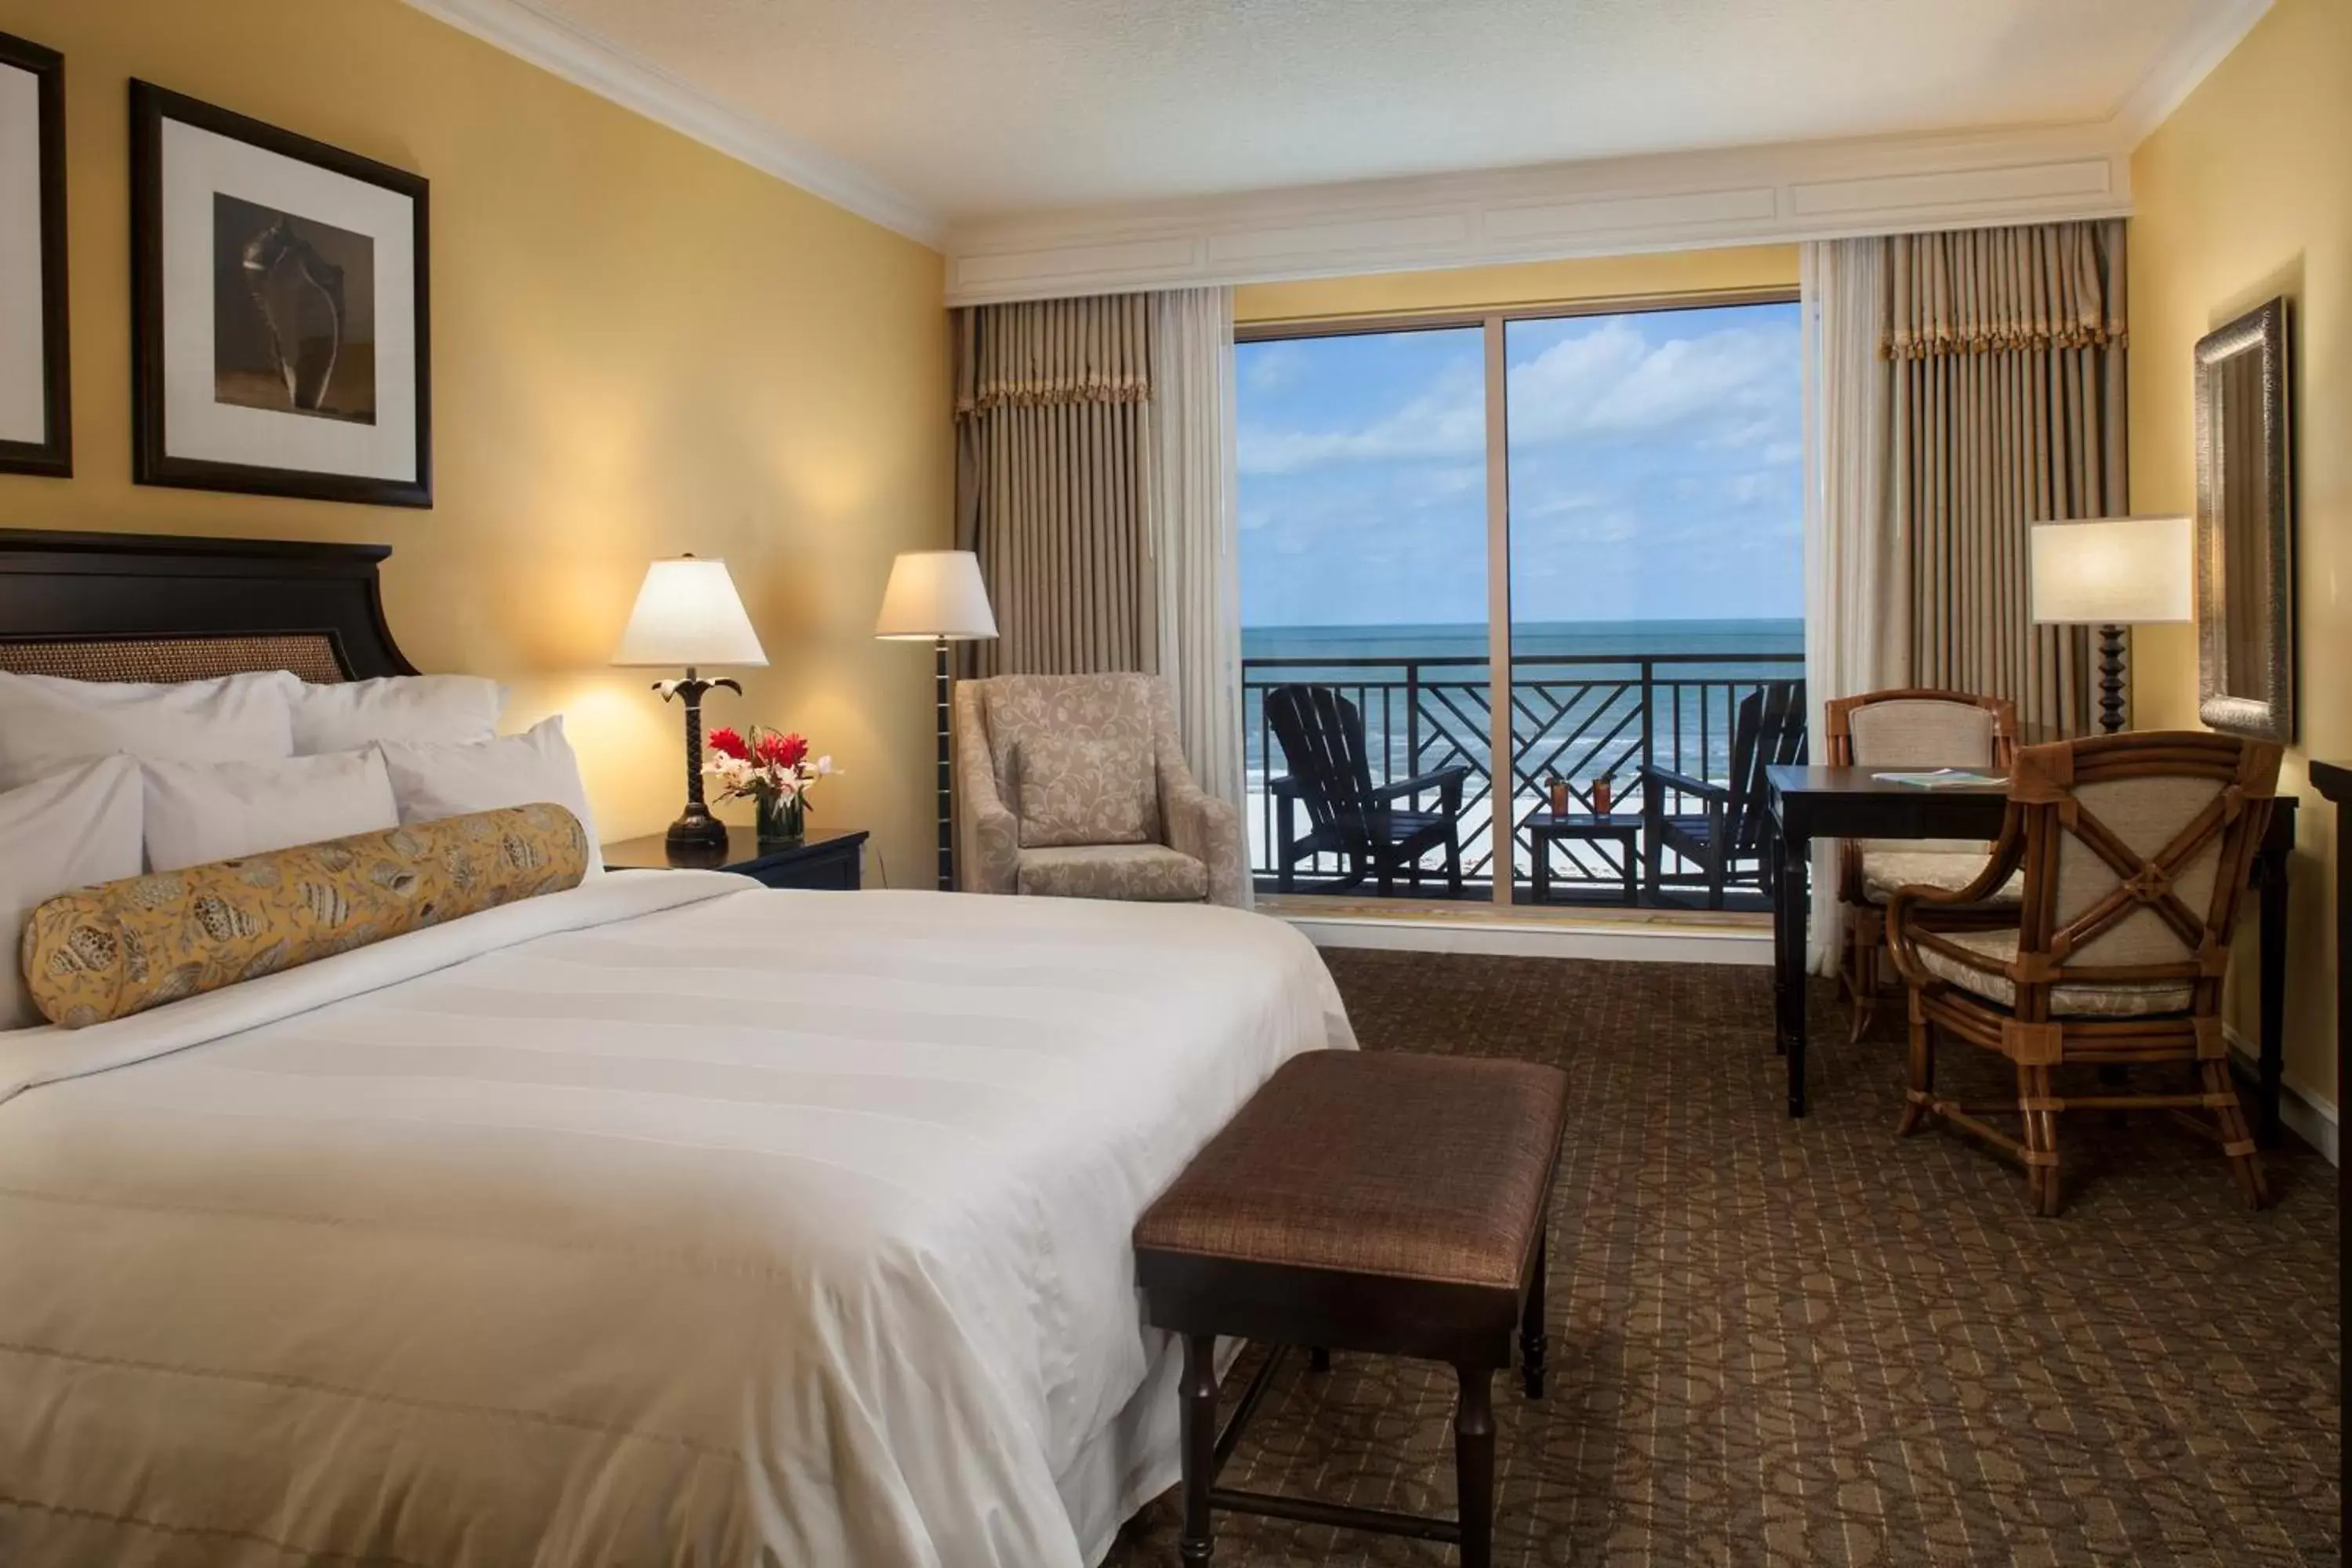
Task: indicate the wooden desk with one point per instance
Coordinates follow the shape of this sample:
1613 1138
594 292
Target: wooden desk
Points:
1806 803
2334 781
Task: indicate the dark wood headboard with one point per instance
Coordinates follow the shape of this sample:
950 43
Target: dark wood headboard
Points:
140 606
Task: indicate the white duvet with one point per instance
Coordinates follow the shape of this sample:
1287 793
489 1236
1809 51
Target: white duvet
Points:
659 1222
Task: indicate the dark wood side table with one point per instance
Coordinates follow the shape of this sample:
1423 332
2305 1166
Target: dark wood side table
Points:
828 860
1810 803
1545 829
2334 780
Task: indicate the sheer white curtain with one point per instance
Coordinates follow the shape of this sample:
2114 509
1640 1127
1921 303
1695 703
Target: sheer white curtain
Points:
1196 533
1857 615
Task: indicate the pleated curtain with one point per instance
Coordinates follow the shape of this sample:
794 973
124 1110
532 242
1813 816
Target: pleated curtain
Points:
1053 480
1196 532
2008 349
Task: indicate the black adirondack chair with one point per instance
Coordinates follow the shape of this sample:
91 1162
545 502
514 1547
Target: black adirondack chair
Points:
1726 840
1322 739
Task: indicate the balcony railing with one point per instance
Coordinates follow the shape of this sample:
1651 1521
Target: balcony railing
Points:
1586 717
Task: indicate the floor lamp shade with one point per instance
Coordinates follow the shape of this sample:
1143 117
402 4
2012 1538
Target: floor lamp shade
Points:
937 596
689 614
2113 573
935 593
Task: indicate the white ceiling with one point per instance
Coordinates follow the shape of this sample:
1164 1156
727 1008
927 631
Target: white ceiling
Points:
947 111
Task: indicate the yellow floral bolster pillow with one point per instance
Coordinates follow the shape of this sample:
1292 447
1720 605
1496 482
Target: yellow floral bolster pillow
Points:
109 951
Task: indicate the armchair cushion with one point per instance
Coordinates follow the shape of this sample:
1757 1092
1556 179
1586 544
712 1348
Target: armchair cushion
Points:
2120 999
1139 873
1084 789
1884 871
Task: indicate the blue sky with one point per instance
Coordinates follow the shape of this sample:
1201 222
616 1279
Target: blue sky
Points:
1656 468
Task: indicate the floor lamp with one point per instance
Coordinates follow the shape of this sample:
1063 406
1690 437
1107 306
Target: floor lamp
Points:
2111 573
937 596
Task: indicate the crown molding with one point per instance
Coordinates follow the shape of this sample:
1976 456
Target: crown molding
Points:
1684 201
587 59
2205 43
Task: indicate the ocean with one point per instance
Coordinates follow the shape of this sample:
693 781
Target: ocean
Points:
1590 701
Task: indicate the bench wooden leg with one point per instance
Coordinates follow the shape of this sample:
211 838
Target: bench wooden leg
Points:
1533 1340
1200 1430
1474 1465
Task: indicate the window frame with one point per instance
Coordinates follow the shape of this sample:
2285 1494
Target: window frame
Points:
1492 322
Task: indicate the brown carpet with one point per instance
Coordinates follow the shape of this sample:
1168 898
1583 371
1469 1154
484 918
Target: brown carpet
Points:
1810 1343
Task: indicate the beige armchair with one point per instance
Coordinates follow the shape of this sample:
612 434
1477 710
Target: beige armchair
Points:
1075 786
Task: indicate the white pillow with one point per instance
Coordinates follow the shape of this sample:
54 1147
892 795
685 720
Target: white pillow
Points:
431 780
355 713
198 812
74 830
48 724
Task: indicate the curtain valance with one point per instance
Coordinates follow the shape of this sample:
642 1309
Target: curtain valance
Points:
1054 353
1971 291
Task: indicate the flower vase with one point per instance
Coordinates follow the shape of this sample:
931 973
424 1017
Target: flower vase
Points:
784 819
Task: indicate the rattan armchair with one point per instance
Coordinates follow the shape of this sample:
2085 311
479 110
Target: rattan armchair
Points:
1907 727
2133 850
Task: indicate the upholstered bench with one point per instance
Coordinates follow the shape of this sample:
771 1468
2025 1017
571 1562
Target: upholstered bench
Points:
1368 1202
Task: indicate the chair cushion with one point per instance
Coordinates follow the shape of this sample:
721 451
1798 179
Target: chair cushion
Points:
2117 1001
1884 871
1078 788
1137 873
1921 732
1376 1162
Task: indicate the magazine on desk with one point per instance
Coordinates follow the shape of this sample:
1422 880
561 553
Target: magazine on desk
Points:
1941 778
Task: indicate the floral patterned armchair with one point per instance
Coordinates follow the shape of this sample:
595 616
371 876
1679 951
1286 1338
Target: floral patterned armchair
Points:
1075 786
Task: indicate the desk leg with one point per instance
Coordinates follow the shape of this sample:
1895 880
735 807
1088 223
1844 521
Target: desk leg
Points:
1542 869
1633 852
1790 904
2272 1062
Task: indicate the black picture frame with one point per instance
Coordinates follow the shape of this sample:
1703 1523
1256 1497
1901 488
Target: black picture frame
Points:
51 458
152 462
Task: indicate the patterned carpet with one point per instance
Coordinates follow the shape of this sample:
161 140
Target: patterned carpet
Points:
1809 1343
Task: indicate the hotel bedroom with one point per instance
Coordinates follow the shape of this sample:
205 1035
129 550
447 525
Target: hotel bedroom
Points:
1089 784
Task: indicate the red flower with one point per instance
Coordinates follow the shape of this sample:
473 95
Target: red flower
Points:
727 743
774 750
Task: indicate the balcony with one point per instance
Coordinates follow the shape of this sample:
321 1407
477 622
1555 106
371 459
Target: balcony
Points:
1586 717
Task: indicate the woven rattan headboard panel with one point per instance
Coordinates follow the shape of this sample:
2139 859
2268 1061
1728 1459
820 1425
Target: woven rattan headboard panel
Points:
120 607
311 657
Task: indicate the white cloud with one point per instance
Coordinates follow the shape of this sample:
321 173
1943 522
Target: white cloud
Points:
1730 388
1446 420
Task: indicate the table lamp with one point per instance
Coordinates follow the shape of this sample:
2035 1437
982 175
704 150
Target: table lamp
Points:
689 614
937 596
2110 572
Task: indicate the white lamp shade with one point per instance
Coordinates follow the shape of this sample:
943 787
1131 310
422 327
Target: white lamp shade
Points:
2114 571
935 593
689 614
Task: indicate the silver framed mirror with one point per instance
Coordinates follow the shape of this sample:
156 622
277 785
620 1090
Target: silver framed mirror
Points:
2245 528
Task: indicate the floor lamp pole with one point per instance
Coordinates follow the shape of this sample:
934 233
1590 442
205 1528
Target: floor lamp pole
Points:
2111 679
947 823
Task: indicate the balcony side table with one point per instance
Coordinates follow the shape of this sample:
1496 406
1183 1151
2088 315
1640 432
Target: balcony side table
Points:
1545 829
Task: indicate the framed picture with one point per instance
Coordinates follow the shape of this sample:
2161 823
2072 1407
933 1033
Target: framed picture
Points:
36 387
282 338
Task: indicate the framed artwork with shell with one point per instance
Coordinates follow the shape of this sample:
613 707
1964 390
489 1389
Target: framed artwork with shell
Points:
36 394
282 334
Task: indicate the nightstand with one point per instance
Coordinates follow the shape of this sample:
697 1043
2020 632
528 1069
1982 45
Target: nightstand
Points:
828 859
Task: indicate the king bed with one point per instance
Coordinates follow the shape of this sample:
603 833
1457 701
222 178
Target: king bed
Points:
663 1220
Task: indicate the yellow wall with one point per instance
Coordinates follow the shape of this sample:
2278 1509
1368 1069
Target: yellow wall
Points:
1521 284
2243 193
640 347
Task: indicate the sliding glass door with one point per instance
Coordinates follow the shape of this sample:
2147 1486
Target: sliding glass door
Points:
1595 514
1364 571
1656 563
